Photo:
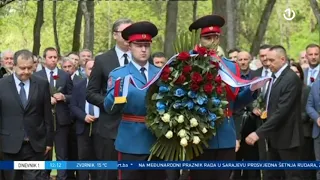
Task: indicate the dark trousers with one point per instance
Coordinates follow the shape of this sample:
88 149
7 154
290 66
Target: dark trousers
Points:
292 154
61 150
139 174
247 153
72 151
26 153
214 155
86 153
307 154
262 146
105 151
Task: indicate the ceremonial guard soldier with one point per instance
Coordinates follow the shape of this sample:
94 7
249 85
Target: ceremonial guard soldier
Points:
222 145
134 140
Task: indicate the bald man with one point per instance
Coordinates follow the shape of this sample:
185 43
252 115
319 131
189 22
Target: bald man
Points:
244 125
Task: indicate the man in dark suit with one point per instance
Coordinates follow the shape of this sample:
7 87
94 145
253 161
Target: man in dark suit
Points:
86 115
283 126
96 91
26 117
61 86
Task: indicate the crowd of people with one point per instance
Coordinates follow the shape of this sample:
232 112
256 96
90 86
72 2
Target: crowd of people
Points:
66 104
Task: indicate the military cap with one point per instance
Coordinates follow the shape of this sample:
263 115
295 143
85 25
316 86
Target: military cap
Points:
210 24
140 31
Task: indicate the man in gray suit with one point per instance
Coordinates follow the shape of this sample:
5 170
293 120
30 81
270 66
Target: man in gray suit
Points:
313 57
313 109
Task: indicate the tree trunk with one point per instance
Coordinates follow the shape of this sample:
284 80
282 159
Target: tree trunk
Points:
37 28
219 8
231 24
262 27
194 8
316 10
5 2
171 27
88 13
77 29
55 31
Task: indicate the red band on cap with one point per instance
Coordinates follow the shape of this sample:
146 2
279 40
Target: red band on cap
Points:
211 29
140 37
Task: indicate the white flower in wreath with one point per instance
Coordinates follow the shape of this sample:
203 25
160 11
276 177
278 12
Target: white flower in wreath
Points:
196 140
182 133
169 135
180 119
204 130
166 117
193 122
183 142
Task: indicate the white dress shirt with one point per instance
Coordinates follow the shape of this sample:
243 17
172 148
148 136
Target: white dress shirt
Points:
55 73
96 110
277 74
139 67
26 85
120 56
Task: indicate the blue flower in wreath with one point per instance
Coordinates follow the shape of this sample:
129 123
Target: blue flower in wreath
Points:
202 110
179 92
216 101
189 105
202 100
177 105
163 89
212 116
192 94
161 107
212 123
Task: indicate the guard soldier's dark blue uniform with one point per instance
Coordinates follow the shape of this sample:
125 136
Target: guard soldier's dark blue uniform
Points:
134 140
222 145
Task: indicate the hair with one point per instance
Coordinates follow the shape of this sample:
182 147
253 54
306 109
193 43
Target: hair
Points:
74 53
280 50
67 59
116 24
312 46
265 46
23 54
86 50
233 50
297 65
5 52
158 54
49 49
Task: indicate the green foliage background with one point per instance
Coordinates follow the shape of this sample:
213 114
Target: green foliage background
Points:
17 20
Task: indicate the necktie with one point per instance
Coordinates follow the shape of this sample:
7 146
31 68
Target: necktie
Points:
126 61
142 72
91 109
51 79
23 95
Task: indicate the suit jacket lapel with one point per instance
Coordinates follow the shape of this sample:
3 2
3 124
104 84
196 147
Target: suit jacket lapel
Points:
114 58
15 91
58 81
152 72
32 90
136 73
306 75
280 77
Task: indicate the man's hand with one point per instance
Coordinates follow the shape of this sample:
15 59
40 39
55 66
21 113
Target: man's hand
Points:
258 85
89 118
48 148
318 121
257 112
252 138
59 96
53 101
237 145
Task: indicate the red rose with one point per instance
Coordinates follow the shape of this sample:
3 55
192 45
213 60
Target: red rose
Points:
209 76
218 79
219 90
212 53
181 79
194 87
55 77
186 69
312 79
207 88
201 51
196 77
216 64
166 70
165 77
183 56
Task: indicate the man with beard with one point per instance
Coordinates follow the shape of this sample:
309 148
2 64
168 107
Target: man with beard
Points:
312 55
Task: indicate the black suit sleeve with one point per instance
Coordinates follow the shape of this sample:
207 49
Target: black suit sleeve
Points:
69 85
93 94
304 116
292 89
48 117
74 106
